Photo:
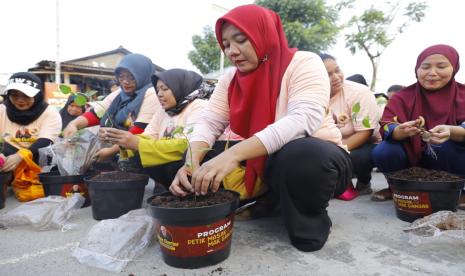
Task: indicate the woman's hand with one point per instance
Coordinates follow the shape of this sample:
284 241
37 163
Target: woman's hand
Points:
181 185
212 172
11 162
120 137
406 129
104 154
440 134
70 130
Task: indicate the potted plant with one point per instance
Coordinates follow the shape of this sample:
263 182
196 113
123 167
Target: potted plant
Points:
116 192
194 231
418 192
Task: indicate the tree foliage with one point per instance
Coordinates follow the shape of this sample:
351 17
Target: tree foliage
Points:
206 56
374 30
310 25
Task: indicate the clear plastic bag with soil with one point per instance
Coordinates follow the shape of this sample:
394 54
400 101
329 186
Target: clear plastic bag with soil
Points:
421 174
192 201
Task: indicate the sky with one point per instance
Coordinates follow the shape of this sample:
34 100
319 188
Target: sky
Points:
163 30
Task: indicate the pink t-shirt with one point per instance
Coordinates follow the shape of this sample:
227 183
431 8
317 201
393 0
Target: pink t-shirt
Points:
355 109
48 125
162 125
301 110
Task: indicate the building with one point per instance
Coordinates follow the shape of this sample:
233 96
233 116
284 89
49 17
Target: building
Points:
82 74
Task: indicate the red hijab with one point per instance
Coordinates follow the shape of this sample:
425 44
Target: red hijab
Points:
444 106
253 95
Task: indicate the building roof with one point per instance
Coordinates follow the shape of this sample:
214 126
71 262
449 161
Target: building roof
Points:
119 50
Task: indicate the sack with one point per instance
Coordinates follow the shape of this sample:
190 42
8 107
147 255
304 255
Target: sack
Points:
47 213
26 184
112 243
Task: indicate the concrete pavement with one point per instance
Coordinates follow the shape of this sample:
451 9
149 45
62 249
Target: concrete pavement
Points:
366 239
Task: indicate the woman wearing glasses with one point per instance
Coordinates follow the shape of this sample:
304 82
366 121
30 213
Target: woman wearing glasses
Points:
129 109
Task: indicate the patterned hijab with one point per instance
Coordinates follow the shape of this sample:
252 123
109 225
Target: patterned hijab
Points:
127 106
253 95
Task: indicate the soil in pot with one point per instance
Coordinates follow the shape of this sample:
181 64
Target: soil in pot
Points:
115 193
194 231
418 192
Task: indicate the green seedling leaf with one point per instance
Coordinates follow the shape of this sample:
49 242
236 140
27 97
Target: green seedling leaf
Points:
90 93
65 89
386 127
356 108
80 99
178 130
366 122
381 101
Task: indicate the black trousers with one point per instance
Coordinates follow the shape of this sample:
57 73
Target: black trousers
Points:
362 162
305 174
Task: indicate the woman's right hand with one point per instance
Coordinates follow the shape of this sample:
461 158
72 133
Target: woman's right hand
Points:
181 185
407 129
70 130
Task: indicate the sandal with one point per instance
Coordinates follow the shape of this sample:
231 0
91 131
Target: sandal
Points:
262 207
349 194
382 195
363 189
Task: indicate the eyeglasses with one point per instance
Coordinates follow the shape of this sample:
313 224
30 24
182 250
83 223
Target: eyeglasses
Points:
127 78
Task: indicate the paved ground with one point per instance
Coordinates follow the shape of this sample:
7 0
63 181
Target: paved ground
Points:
366 239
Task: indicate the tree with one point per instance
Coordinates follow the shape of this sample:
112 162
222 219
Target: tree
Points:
206 56
375 30
310 25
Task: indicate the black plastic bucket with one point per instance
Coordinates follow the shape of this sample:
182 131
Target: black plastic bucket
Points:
66 186
112 198
5 179
416 199
194 237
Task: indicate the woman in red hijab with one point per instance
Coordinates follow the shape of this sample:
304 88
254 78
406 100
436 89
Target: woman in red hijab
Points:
438 100
277 99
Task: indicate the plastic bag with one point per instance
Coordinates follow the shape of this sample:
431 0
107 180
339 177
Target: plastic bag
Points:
439 226
26 184
112 243
46 161
73 156
47 213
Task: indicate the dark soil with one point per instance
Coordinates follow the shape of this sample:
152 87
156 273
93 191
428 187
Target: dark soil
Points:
218 270
117 176
421 174
189 201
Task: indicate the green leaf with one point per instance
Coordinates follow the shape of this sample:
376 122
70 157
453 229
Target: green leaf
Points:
65 89
80 99
366 122
356 108
178 130
386 127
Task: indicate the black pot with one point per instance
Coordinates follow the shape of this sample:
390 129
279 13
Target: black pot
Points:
416 199
66 186
112 198
194 237
5 179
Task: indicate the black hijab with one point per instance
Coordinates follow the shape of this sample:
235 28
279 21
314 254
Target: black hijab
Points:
183 84
25 117
65 116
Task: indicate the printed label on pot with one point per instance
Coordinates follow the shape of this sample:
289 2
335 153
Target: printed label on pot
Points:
68 190
412 202
195 241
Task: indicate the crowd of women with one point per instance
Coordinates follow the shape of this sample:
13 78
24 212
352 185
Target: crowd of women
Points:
301 131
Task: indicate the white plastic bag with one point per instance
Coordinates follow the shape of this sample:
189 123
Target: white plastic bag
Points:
440 226
47 213
112 243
